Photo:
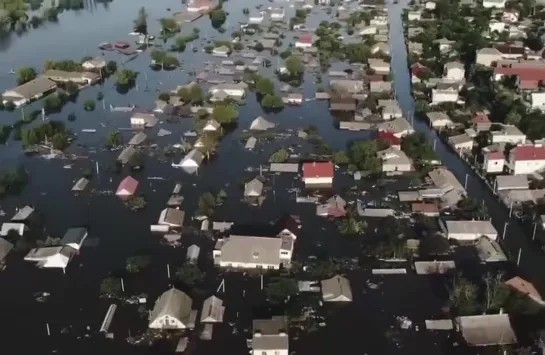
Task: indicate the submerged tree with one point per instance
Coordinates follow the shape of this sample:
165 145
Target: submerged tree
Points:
110 286
137 263
463 297
351 226
207 204
190 274
279 289
141 22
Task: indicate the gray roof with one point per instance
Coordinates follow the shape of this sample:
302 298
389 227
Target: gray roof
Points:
261 124
253 188
33 88
74 236
351 86
397 125
173 216
437 116
172 303
489 250
471 227
460 139
5 248
149 118
138 138
250 143
23 214
272 334
212 310
193 252
484 330
194 155
80 185
444 179
249 249
336 289
126 154
284 167
454 65
378 86
510 182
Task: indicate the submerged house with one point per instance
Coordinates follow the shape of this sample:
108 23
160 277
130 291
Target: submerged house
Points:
261 124
142 120
270 336
172 310
318 173
172 217
336 289
212 310
486 330
127 187
51 257
80 185
253 188
191 162
74 237
29 91
5 248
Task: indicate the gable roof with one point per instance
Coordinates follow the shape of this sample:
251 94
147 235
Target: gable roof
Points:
173 303
128 184
318 169
335 288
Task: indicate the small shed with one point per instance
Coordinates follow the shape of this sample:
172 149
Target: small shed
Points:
250 143
172 217
80 185
193 253
138 139
23 214
126 154
511 182
336 289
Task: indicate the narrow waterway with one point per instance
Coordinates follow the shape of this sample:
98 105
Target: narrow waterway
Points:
532 262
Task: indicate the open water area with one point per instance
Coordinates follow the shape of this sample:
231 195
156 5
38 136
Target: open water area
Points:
366 326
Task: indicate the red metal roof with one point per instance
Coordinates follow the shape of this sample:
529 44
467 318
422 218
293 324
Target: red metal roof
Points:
528 153
129 184
305 39
389 137
495 156
524 73
480 118
318 169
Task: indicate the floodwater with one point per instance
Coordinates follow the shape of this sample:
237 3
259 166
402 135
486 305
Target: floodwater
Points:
366 325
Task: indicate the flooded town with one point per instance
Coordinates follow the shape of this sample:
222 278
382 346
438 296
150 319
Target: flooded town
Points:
272 177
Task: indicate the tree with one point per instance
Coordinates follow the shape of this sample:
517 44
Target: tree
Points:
53 103
341 158
137 263
351 226
258 47
433 245
295 66
463 297
469 208
206 204
114 139
126 77
89 105
513 118
416 146
111 67
264 86
141 22
280 156
164 96
218 17
169 26
179 44
13 179
135 203
279 289
193 94
25 74
238 46
496 292
225 114
71 88
60 141
190 274
210 145
272 102
363 154
110 286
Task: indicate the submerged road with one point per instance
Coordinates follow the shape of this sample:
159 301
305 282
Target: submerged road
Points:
532 261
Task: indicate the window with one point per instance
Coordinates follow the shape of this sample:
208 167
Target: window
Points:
284 252
263 353
277 352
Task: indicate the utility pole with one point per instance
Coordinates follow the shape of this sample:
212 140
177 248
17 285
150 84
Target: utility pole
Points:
504 230
534 233
465 183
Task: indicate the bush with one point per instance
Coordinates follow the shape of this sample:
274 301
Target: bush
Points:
89 105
